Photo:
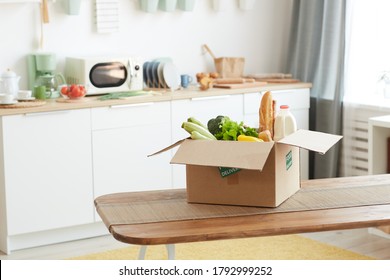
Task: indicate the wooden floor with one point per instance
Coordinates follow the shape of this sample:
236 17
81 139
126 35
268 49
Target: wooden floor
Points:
357 240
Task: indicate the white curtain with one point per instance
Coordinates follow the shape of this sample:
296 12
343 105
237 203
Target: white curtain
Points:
367 58
367 50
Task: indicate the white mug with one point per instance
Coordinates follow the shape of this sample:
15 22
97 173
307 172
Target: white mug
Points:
24 94
6 98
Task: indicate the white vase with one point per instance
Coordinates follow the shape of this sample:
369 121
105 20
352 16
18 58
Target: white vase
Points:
149 6
167 5
186 5
246 5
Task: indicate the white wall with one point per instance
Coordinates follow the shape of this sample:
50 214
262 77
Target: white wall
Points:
260 35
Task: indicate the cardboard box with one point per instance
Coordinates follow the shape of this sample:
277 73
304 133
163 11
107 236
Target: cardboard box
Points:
252 174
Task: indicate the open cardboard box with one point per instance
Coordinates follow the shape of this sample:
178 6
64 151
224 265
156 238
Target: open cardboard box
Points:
253 173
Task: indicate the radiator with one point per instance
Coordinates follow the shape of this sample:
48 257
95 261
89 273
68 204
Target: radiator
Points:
354 159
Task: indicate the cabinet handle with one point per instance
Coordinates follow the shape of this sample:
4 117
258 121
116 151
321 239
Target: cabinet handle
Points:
35 114
131 105
210 97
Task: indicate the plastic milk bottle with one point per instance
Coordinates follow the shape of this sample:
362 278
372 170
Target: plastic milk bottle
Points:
285 123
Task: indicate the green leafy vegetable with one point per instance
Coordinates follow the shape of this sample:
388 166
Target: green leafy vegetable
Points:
215 125
229 130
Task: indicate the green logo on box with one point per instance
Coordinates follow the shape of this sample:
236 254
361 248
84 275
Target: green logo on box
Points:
226 171
289 160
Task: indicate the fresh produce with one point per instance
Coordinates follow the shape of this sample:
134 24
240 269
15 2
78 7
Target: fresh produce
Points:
198 136
73 91
206 80
190 127
226 129
219 128
215 125
246 138
193 120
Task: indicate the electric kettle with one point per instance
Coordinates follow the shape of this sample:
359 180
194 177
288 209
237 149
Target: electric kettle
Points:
9 83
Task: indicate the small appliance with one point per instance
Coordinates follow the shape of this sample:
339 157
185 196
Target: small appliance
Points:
41 72
103 75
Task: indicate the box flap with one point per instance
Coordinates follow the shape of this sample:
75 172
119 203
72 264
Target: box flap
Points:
245 155
311 140
168 148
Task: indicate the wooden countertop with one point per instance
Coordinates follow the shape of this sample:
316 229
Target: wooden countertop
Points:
154 96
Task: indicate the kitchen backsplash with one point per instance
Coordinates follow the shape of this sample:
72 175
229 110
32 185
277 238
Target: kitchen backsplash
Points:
259 34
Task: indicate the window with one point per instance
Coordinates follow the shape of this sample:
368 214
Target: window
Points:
367 51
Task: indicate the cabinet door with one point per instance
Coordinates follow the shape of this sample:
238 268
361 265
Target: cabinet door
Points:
203 109
47 170
299 102
123 137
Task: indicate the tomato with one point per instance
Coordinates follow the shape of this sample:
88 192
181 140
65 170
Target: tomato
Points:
75 92
72 87
64 90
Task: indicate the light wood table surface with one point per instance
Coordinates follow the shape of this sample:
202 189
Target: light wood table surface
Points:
253 225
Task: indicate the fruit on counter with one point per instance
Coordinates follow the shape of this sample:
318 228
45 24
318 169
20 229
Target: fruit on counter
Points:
190 127
223 128
206 80
245 138
73 91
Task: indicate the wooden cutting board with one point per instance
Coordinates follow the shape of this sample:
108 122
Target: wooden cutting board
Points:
241 85
279 81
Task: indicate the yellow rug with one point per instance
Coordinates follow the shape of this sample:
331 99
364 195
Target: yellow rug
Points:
288 247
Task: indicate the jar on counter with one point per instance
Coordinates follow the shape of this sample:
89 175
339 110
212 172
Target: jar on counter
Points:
285 123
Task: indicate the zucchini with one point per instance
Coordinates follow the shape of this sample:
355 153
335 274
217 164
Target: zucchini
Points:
190 127
193 120
195 135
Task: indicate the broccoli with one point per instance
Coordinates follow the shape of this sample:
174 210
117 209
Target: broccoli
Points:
215 125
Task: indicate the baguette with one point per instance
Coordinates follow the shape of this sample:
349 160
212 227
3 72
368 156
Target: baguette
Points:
266 114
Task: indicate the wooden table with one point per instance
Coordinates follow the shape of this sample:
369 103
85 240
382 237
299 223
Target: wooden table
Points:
253 225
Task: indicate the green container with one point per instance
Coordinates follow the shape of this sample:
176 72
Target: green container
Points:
167 5
149 6
186 5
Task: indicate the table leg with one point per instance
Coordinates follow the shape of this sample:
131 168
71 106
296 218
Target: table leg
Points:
142 251
170 250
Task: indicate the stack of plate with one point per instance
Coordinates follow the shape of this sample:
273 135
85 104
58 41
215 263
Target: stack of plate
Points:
161 73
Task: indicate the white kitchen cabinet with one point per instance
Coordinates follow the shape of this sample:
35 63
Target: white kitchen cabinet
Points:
203 109
122 138
46 172
299 102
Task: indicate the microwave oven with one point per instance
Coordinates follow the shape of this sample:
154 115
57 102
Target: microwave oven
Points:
102 75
